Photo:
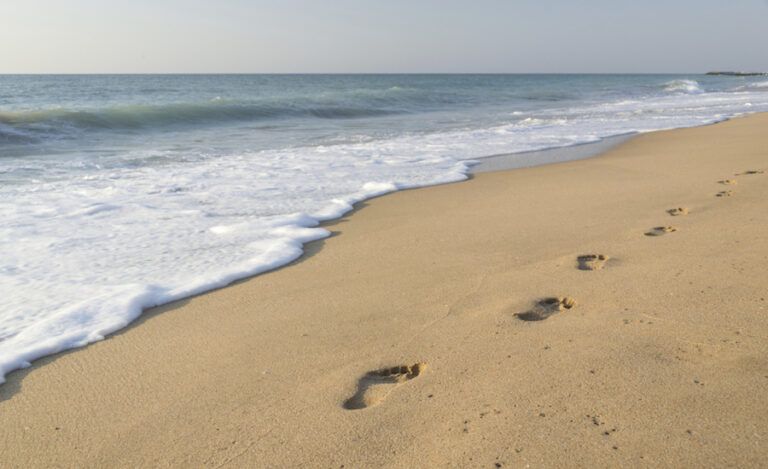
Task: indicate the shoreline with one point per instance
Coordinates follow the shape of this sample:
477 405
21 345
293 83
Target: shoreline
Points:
484 164
547 156
424 276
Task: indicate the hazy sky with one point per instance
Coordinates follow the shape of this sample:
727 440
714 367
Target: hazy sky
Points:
83 36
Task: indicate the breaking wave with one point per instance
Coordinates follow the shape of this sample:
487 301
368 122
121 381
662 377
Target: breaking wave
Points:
683 86
20 124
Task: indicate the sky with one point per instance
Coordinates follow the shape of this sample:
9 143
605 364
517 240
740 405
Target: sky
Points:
382 36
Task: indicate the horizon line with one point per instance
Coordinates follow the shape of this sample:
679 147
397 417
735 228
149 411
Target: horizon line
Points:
373 73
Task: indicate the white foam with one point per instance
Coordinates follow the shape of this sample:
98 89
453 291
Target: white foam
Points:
683 86
82 255
758 85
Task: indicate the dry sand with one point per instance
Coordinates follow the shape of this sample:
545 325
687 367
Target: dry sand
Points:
661 361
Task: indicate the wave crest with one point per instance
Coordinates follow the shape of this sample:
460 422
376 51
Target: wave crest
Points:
760 85
683 86
22 126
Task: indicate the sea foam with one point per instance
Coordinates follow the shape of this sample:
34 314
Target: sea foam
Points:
759 85
683 86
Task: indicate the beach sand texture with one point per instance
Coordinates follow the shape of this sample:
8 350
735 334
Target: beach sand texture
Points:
521 318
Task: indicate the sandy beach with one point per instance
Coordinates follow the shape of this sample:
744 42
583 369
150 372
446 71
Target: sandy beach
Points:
457 326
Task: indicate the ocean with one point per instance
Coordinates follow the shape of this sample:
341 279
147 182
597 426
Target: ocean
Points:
122 192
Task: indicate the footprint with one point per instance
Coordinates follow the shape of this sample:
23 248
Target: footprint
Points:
751 171
728 181
376 385
592 261
724 194
678 211
661 230
546 308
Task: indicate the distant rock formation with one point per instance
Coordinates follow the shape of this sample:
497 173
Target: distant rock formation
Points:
739 74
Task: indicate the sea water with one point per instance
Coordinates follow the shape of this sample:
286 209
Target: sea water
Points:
118 193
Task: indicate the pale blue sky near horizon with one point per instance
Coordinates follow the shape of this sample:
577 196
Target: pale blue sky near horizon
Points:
393 36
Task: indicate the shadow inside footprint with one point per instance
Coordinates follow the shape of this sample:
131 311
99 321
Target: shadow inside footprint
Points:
376 385
661 230
676 212
592 261
751 172
728 181
546 308
724 194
